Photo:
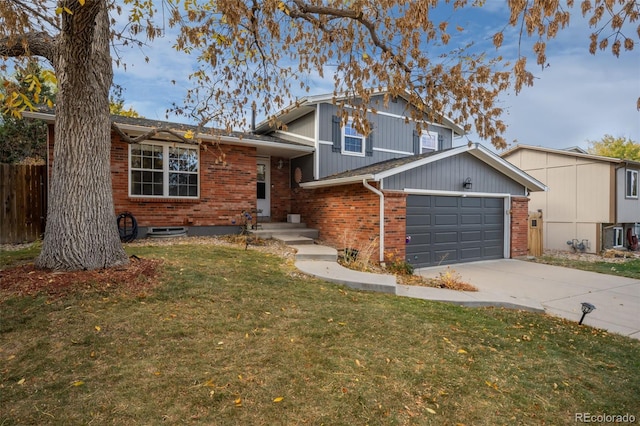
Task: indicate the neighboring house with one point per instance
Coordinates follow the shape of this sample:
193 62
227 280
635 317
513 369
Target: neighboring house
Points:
411 195
592 201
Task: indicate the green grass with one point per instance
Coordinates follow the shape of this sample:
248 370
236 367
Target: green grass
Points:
630 268
229 331
10 258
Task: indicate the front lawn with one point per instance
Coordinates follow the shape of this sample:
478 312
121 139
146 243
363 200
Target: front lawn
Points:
225 336
629 268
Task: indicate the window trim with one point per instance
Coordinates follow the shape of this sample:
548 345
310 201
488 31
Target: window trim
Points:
618 230
432 136
349 124
629 190
165 170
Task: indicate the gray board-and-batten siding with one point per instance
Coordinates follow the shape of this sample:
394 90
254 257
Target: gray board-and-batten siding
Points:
448 174
392 138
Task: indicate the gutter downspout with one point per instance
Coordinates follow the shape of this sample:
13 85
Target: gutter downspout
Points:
381 195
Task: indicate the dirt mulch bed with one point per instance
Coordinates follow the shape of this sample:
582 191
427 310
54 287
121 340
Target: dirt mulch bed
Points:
134 279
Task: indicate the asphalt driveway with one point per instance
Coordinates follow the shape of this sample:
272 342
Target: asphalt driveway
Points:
533 286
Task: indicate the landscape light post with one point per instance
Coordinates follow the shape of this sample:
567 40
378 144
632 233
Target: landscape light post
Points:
586 308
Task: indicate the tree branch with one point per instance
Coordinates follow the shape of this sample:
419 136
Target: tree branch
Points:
128 139
45 18
305 11
30 44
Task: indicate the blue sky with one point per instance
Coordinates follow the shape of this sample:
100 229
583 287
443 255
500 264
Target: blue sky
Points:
579 97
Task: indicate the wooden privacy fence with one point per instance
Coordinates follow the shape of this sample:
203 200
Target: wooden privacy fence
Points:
23 203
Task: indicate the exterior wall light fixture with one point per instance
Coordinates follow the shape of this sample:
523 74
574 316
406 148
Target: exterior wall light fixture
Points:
467 183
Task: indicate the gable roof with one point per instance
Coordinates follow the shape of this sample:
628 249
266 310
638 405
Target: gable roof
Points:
307 104
378 171
569 153
138 126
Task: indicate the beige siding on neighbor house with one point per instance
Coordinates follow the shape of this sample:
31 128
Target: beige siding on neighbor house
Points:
593 189
578 200
556 235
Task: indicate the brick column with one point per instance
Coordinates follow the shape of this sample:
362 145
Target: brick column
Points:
519 226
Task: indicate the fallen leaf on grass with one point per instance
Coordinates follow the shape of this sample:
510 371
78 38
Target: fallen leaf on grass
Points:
432 411
21 381
77 383
278 399
462 351
238 402
492 385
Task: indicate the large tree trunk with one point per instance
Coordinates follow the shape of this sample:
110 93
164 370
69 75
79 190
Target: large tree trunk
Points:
81 231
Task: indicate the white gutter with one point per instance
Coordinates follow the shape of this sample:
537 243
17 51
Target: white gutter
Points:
381 195
336 182
316 144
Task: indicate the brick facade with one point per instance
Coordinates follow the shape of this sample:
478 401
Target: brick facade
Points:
395 224
348 216
519 226
226 189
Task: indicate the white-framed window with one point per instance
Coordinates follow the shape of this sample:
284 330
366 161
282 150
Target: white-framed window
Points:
163 170
618 237
631 184
428 141
353 142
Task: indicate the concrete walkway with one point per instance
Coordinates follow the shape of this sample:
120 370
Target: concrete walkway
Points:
505 283
556 290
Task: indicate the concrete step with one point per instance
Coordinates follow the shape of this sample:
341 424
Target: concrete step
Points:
267 226
308 252
293 232
293 240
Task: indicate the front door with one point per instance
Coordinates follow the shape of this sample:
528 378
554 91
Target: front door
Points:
264 187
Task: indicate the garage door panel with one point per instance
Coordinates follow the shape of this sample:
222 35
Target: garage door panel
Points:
446 230
445 219
418 219
421 202
471 202
444 257
495 203
471 253
420 239
492 235
470 236
493 219
471 219
422 258
444 201
445 237
492 252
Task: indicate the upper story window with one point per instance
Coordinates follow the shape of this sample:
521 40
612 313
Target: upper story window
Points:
353 142
428 141
163 170
632 184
